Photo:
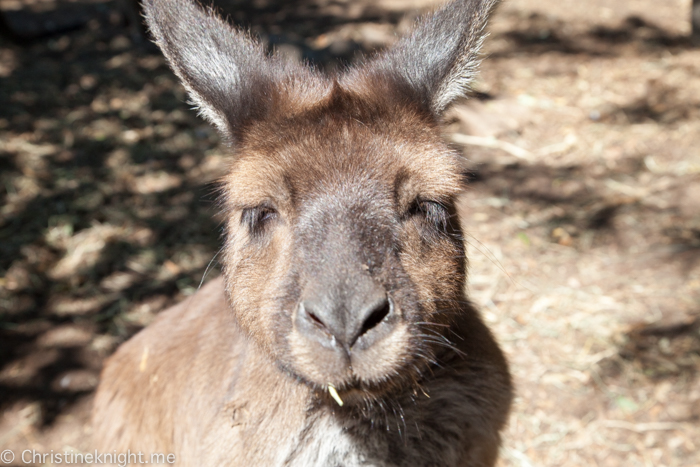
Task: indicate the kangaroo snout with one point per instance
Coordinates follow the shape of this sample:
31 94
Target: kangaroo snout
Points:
344 321
347 274
351 322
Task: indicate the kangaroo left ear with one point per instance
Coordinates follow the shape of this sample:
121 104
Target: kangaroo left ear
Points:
229 76
439 60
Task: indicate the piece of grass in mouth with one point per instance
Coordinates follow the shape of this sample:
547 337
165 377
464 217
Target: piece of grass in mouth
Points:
334 394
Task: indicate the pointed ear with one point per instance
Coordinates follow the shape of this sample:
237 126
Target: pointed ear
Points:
438 61
229 76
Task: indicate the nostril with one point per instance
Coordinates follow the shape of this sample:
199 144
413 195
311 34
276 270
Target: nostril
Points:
316 320
381 310
307 309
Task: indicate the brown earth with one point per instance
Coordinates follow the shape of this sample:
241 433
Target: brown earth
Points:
583 214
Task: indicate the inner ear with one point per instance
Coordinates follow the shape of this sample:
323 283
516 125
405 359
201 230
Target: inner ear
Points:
229 76
436 63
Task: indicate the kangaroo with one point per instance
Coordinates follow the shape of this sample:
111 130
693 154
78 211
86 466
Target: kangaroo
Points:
339 333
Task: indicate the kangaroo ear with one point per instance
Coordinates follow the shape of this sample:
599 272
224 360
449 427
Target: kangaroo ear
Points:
229 76
438 61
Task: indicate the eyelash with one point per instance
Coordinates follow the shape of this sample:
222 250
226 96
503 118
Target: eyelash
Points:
432 212
257 218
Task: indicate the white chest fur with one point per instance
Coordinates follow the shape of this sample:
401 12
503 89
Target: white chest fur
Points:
327 442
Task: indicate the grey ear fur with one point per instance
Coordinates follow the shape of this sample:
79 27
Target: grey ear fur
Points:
229 76
232 80
439 60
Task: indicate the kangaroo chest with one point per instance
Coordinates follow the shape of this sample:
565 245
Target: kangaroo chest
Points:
409 438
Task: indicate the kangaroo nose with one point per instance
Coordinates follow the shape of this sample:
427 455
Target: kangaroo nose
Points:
345 325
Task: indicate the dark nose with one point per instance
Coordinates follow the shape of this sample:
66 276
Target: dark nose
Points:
320 317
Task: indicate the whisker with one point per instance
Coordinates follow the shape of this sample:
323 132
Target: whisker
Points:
209 266
426 323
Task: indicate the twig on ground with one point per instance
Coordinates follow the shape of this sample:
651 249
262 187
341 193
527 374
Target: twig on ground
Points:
512 149
641 427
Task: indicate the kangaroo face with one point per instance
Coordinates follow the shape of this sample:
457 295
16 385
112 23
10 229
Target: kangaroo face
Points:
344 255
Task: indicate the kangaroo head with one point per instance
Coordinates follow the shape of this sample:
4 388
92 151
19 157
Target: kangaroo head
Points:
344 258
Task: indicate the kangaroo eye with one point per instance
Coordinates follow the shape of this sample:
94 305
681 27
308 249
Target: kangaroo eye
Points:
434 213
257 218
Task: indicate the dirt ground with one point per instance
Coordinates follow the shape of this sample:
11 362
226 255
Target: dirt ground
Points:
583 214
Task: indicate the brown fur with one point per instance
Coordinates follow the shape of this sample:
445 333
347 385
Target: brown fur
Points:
345 192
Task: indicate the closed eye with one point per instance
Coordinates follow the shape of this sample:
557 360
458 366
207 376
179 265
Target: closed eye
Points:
432 212
257 218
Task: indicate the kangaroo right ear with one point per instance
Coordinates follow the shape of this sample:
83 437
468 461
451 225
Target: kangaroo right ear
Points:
229 76
438 61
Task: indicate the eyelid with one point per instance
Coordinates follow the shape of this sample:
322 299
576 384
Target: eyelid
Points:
265 212
431 211
255 217
421 203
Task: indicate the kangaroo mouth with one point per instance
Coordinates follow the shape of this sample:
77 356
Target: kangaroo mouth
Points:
366 394
350 395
